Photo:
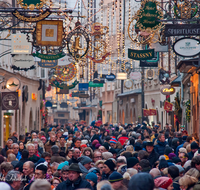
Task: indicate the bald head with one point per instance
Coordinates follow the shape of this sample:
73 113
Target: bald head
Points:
155 172
123 132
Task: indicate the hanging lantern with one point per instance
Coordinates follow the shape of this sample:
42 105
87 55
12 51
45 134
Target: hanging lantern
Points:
121 76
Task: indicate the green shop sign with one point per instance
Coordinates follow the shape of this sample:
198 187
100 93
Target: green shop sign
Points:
91 84
49 57
141 54
148 16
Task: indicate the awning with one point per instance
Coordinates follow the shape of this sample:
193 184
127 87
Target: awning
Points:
187 65
176 82
89 107
136 91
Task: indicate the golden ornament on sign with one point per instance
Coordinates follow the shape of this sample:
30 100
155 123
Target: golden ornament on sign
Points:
25 4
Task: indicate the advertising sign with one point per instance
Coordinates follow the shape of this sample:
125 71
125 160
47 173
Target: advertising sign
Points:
135 75
83 96
91 84
23 60
152 112
19 44
187 47
83 86
167 90
110 77
10 101
182 30
13 84
148 64
141 54
48 63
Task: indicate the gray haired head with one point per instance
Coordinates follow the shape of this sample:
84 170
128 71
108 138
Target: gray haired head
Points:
12 176
55 149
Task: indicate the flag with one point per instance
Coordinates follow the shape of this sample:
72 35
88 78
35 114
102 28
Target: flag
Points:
152 112
168 106
145 112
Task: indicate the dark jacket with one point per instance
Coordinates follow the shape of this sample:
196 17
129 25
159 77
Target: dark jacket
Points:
176 184
69 185
153 157
34 158
160 147
3 151
73 160
15 139
191 155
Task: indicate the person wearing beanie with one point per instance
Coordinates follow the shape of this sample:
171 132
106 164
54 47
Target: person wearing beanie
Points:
114 152
84 163
164 182
107 155
108 168
133 163
113 142
40 184
116 180
74 180
176 160
153 155
163 164
92 179
106 145
194 148
55 155
4 186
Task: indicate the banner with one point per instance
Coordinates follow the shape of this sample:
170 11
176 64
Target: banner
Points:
83 86
145 112
168 106
152 112
49 57
141 54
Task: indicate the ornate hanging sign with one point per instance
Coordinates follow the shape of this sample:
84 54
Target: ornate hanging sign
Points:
128 83
67 72
34 4
98 46
74 40
49 33
62 85
187 47
49 57
150 74
148 16
13 84
48 63
35 18
140 54
167 90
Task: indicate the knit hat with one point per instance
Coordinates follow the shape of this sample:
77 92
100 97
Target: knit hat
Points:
171 155
84 142
180 168
138 146
39 184
94 142
149 143
114 177
132 162
194 145
74 167
110 164
4 186
97 145
113 151
163 164
163 182
60 166
84 160
168 150
43 138
187 164
106 145
107 155
92 176
176 160
122 158
83 146
182 150
113 140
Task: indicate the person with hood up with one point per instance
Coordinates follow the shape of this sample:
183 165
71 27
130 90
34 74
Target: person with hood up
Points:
84 164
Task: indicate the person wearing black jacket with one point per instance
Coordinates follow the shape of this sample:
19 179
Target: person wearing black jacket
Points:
153 155
173 172
74 180
76 155
8 146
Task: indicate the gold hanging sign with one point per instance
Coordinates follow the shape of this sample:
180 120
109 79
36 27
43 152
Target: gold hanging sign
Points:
25 4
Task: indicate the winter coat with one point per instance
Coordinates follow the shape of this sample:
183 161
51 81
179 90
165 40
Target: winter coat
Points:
153 157
34 158
191 155
57 158
69 185
15 139
3 151
48 146
176 184
160 147
73 160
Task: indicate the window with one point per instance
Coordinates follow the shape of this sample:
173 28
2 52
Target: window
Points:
61 115
42 73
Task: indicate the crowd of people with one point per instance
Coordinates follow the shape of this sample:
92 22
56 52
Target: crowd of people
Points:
101 157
